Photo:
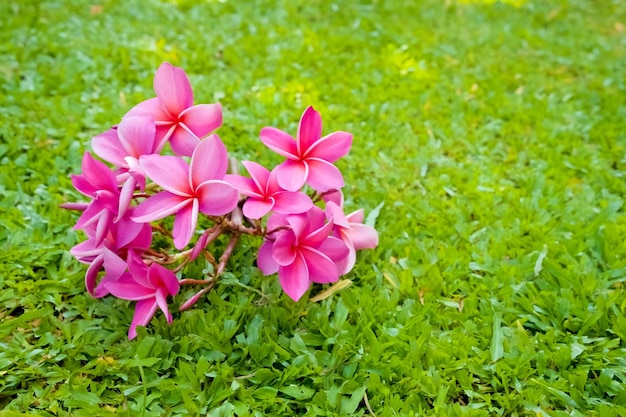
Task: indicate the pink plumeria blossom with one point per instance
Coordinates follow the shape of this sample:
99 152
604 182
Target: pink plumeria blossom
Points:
265 195
98 183
149 286
302 251
122 146
352 231
310 156
112 251
175 116
189 189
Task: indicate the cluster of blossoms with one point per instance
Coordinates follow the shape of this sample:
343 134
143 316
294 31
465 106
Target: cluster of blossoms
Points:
303 242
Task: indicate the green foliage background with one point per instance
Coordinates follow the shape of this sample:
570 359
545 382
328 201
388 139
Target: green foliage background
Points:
494 134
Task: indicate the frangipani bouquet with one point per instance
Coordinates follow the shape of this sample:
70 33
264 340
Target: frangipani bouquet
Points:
296 208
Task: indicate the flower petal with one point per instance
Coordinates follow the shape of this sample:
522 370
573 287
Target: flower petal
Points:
292 175
331 147
127 288
137 134
362 236
259 174
98 174
162 303
280 142
255 208
323 176
356 216
333 211
92 273
159 206
288 202
309 130
294 278
283 251
170 172
144 311
321 269
182 140
335 248
202 119
108 147
217 197
318 236
173 89
163 278
126 196
265 262
185 224
151 107
209 161
244 185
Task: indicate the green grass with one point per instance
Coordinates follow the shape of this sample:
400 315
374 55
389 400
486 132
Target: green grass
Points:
495 135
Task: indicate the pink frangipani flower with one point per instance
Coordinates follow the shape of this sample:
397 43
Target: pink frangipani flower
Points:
265 195
189 189
352 231
122 146
149 286
310 156
302 251
175 116
98 183
110 253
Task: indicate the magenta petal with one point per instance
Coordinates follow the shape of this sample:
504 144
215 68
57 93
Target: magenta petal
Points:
127 289
202 119
182 140
336 249
209 161
362 236
321 269
299 224
356 216
173 89
292 175
108 147
97 174
92 273
185 224
144 311
126 196
331 147
317 237
255 208
346 264
162 303
114 266
265 261
280 142
287 202
283 250
333 211
244 185
162 277
335 196
294 278
259 174
309 130
170 172
153 108
217 197
137 134
323 176
159 206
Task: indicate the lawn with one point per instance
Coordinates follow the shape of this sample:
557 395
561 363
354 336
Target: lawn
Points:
493 134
